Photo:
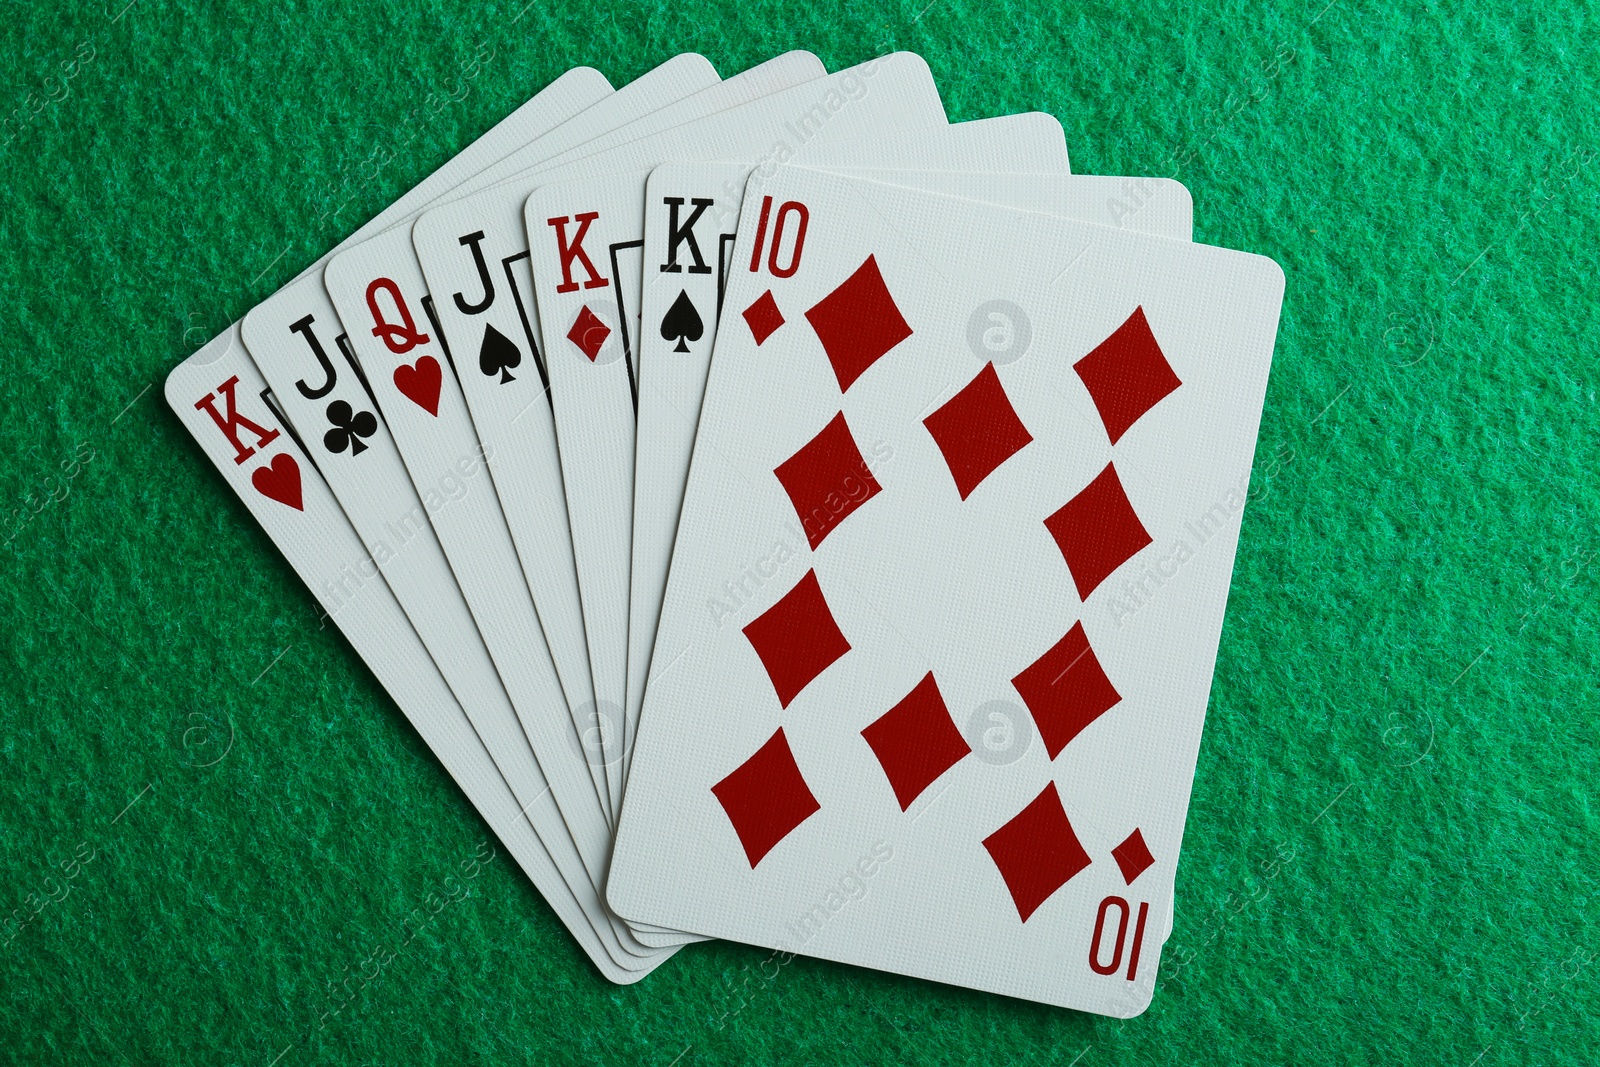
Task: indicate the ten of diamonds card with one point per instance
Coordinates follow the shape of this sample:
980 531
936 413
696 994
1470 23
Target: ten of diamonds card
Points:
961 470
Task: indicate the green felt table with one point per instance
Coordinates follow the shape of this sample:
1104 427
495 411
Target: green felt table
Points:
1391 854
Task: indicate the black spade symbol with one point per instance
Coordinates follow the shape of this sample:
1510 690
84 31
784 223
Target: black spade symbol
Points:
498 355
349 427
682 323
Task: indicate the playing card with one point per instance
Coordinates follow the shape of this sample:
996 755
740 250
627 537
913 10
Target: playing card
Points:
691 215
692 210
907 520
221 399
486 277
298 342
893 92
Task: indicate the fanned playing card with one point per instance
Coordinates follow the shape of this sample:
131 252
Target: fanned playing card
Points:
692 209
957 464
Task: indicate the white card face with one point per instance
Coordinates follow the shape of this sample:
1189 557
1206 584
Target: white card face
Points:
477 262
691 217
588 300
219 397
669 405
893 92
897 528
672 383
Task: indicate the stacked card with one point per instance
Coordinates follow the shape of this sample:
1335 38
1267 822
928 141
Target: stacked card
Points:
789 517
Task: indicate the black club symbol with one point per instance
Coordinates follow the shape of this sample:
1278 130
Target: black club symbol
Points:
349 427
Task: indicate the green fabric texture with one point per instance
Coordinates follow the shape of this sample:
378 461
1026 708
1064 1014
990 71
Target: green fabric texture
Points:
215 823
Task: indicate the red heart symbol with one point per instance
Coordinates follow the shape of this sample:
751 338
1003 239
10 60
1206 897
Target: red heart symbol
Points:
279 480
420 383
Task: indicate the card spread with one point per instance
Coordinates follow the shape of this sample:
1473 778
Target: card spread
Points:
788 516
